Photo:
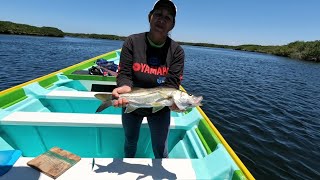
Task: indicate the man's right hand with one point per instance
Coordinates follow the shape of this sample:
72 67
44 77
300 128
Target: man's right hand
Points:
120 102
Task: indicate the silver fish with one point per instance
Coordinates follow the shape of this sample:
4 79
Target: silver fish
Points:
155 98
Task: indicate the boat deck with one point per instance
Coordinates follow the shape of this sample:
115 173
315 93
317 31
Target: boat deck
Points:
108 168
59 110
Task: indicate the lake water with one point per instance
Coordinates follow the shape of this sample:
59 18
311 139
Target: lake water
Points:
266 107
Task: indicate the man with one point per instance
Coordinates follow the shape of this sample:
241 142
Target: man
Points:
148 60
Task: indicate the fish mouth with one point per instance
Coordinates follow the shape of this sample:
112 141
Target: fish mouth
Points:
197 100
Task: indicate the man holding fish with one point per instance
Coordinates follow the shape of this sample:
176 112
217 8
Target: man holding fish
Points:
151 68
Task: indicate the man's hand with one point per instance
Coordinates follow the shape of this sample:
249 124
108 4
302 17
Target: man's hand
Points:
120 102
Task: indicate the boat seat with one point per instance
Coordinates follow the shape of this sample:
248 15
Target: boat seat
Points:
66 119
83 95
7 160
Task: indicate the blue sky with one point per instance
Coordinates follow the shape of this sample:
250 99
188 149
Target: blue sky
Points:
232 22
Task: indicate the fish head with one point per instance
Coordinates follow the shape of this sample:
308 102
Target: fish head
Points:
185 101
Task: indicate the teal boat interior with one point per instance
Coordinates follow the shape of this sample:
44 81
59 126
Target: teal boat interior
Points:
60 111
93 141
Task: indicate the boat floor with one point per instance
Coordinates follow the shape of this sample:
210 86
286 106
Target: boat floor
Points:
108 168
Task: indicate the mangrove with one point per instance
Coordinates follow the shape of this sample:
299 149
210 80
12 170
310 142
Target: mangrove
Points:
309 50
7 27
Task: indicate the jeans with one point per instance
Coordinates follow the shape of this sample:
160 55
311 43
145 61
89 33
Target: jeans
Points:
159 124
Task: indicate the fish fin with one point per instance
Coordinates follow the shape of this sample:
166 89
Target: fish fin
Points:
177 103
129 109
157 104
103 96
156 109
104 105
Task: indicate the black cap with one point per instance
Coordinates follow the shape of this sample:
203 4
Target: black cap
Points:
166 3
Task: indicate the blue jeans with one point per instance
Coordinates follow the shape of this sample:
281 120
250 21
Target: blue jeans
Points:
159 124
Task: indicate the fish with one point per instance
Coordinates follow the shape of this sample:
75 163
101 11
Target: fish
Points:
155 98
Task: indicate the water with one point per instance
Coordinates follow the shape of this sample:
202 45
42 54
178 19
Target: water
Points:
24 58
266 107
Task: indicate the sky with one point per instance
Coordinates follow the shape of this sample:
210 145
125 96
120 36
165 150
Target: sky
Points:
228 22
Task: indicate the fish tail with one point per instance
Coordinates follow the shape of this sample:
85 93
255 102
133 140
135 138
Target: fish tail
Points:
104 96
106 101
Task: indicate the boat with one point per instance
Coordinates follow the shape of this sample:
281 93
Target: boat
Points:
58 110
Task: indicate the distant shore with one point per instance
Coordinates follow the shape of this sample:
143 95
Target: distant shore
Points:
308 51
7 27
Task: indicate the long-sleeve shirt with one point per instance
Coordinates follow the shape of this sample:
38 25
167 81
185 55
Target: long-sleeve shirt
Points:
142 65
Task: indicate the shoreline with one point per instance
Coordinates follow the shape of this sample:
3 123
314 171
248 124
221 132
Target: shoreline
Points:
306 51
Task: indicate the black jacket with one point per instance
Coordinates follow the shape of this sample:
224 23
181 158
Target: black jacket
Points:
142 65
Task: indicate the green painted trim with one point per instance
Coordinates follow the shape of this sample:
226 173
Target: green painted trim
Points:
211 139
12 98
58 156
110 56
238 175
90 63
187 111
81 67
46 83
203 141
91 77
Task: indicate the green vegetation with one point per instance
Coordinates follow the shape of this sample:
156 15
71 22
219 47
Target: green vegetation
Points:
7 27
96 36
309 51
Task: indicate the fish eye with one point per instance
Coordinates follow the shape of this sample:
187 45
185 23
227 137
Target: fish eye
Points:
190 94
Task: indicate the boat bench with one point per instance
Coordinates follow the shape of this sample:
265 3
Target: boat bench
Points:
83 119
26 117
81 95
66 119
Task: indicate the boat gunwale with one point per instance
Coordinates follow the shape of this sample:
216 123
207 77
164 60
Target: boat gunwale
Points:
54 73
234 156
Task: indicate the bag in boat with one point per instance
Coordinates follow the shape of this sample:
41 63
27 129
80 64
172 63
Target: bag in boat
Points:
107 64
95 71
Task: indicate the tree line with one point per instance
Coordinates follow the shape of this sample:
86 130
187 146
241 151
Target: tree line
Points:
7 27
96 36
309 51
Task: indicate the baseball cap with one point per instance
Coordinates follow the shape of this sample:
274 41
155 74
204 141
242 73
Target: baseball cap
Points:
167 3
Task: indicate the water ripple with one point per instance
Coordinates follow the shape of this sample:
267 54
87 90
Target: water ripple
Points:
266 107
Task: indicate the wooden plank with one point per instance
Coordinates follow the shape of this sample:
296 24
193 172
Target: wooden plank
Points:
54 162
